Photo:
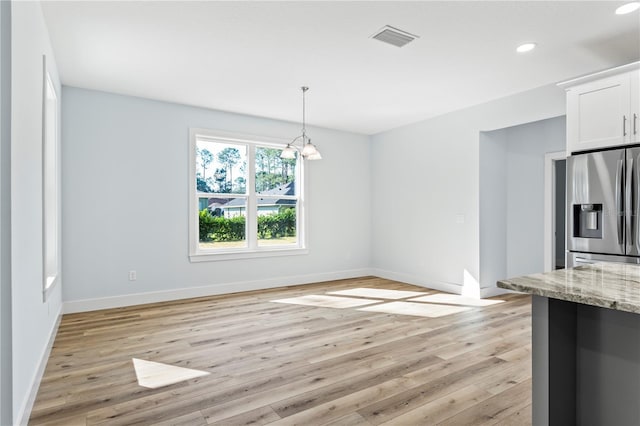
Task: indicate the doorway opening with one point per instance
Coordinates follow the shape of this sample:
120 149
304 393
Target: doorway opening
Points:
555 210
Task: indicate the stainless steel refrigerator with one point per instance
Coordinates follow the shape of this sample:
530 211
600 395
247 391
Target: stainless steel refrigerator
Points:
602 207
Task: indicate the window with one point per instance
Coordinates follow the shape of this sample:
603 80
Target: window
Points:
245 200
50 185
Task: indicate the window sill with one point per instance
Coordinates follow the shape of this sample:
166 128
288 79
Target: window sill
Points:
246 254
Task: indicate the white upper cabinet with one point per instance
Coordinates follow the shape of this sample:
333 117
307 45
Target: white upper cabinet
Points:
603 110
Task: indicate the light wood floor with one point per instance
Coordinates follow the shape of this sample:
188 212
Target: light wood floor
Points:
283 363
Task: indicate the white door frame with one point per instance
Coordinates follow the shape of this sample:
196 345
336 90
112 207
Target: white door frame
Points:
550 207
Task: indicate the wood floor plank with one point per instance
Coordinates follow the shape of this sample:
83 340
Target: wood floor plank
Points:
492 410
75 420
191 419
441 408
259 416
348 386
351 419
277 363
508 377
340 407
397 405
520 417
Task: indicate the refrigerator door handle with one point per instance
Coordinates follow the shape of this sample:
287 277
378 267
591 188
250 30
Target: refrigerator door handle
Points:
636 206
619 204
628 201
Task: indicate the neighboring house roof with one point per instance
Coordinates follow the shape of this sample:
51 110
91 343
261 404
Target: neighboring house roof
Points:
217 202
285 189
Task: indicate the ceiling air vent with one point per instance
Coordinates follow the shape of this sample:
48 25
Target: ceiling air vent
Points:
394 36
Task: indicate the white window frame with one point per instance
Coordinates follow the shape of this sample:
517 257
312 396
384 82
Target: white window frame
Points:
197 254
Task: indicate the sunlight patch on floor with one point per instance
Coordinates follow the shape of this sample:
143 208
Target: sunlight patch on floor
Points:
454 299
326 301
415 309
378 293
153 375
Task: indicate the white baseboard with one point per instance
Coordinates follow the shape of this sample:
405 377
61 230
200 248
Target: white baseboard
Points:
435 285
421 282
493 291
27 406
207 290
86 305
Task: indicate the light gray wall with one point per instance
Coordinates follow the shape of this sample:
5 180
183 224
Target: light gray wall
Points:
33 321
5 214
493 206
526 146
512 197
425 182
125 200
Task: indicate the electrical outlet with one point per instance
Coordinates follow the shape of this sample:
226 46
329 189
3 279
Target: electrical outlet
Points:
133 276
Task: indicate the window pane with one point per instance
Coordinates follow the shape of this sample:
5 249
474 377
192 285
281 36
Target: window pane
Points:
274 175
222 222
221 167
277 221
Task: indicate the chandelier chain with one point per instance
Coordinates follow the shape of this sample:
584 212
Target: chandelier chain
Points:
304 112
307 150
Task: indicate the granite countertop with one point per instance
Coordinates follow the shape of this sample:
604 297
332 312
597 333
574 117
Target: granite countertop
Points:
608 285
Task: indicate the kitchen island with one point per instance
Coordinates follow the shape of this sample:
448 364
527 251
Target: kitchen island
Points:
585 344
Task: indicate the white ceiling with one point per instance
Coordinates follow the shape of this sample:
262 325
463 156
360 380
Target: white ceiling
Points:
252 57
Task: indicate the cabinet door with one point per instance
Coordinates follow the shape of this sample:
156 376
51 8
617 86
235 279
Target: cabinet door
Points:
634 126
598 114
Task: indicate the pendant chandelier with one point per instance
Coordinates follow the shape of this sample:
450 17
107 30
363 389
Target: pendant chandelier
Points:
307 149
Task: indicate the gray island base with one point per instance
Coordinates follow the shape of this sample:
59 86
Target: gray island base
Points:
586 344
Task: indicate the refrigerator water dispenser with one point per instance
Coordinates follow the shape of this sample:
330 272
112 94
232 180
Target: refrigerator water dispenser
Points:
587 220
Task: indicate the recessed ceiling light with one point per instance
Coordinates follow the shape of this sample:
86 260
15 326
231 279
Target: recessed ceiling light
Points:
628 8
525 47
